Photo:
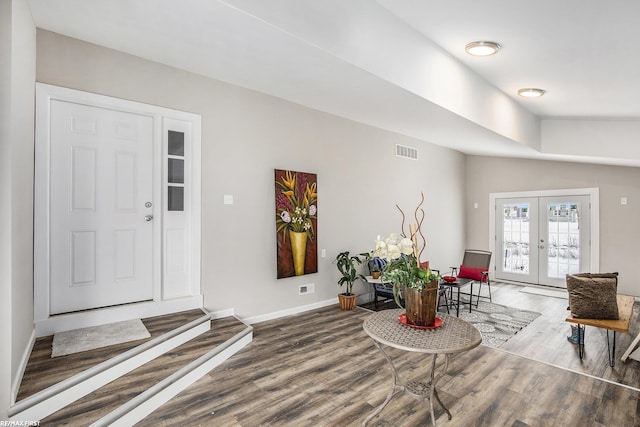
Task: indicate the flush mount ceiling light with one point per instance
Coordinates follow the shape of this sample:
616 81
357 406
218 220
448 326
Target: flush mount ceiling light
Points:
531 92
482 48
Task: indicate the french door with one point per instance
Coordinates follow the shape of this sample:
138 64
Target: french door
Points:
540 240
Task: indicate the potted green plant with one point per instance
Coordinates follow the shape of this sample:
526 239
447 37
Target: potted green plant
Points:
346 264
375 271
412 279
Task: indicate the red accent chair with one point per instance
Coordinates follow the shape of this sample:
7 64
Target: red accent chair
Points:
474 269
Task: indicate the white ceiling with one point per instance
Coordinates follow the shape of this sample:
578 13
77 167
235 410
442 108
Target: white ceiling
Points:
399 65
580 51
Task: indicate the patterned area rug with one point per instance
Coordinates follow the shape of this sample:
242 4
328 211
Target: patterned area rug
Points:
497 323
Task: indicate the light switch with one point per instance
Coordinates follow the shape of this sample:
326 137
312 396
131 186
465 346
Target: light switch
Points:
228 199
623 200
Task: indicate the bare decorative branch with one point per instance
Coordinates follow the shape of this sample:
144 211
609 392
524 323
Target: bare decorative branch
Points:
404 234
419 224
419 216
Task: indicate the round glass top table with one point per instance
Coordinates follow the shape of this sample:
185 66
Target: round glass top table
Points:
454 336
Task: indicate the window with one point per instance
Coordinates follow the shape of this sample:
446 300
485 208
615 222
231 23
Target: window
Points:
175 171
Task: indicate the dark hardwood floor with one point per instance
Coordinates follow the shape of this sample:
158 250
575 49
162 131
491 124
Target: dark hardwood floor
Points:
321 369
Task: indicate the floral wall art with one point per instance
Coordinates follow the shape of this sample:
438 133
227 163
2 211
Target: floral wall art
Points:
296 223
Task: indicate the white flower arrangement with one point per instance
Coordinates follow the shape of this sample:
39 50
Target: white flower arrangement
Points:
393 247
402 253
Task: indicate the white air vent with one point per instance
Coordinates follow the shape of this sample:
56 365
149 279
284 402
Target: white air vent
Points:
406 152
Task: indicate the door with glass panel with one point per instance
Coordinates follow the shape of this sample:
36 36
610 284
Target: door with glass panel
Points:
540 240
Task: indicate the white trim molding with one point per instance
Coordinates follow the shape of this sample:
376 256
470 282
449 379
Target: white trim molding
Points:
190 294
594 195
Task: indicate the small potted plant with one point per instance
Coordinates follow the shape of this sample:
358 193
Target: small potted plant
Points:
375 271
346 264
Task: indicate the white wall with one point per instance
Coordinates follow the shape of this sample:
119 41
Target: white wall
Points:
5 208
245 135
616 139
619 225
17 74
23 76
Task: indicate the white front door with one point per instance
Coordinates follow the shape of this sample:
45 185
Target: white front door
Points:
540 240
101 207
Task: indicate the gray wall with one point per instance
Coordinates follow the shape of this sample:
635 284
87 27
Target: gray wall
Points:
17 74
245 135
619 225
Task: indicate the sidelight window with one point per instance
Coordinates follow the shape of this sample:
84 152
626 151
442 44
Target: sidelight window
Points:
175 168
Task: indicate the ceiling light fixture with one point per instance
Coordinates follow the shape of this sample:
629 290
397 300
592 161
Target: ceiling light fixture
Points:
531 92
482 48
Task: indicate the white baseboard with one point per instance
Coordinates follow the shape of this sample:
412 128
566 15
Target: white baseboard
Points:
103 316
289 312
222 313
24 360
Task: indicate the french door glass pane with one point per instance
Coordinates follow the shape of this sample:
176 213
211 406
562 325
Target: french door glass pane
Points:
516 238
563 239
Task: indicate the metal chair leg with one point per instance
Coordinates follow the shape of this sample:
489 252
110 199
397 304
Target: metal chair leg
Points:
442 293
610 351
581 331
480 290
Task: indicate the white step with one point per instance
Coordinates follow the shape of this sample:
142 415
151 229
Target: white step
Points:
147 402
54 398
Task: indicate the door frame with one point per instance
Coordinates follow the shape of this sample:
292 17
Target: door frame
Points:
47 324
593 193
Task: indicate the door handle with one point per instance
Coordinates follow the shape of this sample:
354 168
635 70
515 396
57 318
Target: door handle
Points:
148 218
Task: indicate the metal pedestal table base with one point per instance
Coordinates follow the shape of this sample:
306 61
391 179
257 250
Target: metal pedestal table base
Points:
453 336
417 389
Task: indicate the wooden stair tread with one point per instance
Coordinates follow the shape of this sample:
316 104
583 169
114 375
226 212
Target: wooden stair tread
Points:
111 396
42 371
